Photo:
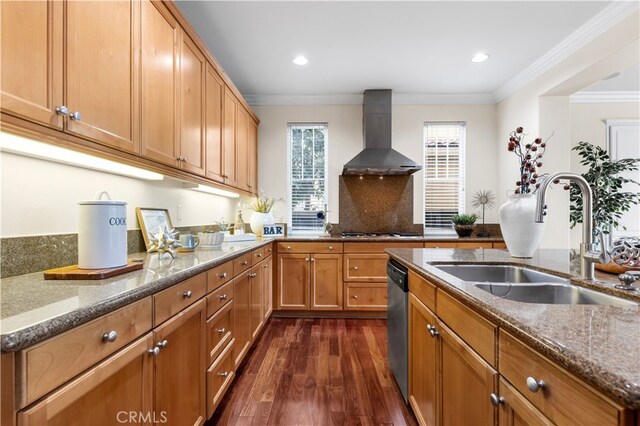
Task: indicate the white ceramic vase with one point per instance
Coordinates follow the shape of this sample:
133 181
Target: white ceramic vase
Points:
259 219
520 231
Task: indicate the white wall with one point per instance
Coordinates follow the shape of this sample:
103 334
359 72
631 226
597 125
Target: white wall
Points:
542 106
345 141
41 197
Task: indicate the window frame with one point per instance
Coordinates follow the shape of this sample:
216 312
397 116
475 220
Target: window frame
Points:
290 126
462 175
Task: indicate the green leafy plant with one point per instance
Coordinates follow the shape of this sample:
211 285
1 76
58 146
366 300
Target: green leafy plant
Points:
223 225
262 204
464 219
609 202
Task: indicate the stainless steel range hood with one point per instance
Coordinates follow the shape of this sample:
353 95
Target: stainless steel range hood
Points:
377 157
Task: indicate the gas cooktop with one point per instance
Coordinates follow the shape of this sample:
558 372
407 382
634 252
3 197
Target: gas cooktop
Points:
379 234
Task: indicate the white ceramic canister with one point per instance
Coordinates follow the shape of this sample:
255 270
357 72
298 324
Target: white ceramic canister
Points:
102 233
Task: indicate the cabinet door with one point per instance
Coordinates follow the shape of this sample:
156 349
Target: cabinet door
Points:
257 318
180 367
267 288
242 149
160 82
293 281
241 316
423 363
326 282
192 106
252 136
31 42
101 81
104 394
213 133
229 167
467 382
515 410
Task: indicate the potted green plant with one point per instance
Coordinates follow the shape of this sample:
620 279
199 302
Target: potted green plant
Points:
261 207
605 179
464 224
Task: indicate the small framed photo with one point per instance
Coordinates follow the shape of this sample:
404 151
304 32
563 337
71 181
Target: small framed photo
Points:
152 221
272 231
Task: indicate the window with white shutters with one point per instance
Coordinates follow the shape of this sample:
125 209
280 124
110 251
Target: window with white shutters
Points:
307 176
444 146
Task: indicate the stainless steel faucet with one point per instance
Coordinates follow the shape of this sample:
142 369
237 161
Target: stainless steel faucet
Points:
587 256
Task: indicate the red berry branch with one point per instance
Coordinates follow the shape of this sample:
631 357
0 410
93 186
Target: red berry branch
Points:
530 156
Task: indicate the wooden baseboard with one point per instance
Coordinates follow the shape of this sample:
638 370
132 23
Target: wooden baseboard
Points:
329 314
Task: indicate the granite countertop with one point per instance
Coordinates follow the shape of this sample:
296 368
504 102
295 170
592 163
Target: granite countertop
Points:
416 239
599 343
33 309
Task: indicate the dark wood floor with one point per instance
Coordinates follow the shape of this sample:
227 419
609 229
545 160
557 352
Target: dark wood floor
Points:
316 372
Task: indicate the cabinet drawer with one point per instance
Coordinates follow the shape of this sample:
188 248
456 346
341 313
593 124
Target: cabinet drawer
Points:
219 298
377 247
51 363
327 247
476 331
174 299
365 267
423 290
219 377
219 331
563 398
219 275
365 297
257 256
241 264
499 246
268 250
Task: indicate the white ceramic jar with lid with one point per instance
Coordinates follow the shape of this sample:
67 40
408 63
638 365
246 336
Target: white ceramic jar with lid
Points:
102 233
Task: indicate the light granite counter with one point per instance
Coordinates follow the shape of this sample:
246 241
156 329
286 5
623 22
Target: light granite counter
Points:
599 343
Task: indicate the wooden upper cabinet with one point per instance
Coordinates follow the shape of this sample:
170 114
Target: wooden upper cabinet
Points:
242 149
213 124
253 156
229 167
101 81
31 57
160 82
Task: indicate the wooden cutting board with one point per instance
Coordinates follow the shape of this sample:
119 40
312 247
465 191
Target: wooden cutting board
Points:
74 273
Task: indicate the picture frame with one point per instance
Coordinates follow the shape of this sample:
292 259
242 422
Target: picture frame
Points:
151 219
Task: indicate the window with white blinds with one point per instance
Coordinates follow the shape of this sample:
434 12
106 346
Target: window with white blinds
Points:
307 176
444 147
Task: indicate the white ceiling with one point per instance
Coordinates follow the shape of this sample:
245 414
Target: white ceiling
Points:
419 47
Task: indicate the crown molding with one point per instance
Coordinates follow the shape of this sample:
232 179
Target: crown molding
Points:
606 19
398 99
604 97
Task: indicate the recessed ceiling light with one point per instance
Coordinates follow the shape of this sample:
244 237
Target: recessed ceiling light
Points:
300 60
614 75
480 57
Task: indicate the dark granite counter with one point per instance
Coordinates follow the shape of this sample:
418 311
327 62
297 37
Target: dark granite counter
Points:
598 343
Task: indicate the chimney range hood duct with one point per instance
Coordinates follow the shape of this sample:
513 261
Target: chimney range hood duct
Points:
377 157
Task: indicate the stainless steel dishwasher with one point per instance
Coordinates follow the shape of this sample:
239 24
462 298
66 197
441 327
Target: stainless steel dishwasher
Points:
397 324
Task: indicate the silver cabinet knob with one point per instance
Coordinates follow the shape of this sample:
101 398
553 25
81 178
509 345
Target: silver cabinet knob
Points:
355 296
288 247
184 159
110 336
265 266
155 351
245 263
534 385
312 259
187 294
162 345
258 255
269 250
222 297
75 116
179 158
62 110
253 275
223 275
356 268
221 330
330 247
306 259
495 399
432 330
223 374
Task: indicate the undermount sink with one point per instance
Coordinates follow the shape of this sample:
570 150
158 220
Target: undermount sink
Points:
529 286
552 294
499 274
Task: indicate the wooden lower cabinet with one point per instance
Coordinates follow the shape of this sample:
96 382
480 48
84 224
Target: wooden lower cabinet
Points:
257 289
241 316
365 296
180 367
423 363
219 377
515 410
105 394
267 288
325 282
293 282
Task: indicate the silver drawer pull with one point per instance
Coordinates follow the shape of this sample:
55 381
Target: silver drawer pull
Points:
534 384
356 268
222 297
432 330
221 330
245 263
288 247
223 275
330 247
154 351
258 255
496 400
223 374
162 345
187 294
110 337
355 296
